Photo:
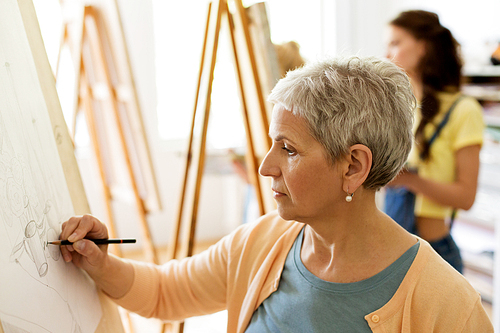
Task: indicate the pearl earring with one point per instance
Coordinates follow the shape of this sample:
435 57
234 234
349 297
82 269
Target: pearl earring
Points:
348 198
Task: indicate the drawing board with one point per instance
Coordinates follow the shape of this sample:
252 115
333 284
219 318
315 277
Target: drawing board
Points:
40 188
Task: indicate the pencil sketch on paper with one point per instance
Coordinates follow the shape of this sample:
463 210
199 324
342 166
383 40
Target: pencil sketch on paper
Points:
39 291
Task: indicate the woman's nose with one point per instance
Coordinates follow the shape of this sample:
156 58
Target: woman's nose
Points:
269 167
388 54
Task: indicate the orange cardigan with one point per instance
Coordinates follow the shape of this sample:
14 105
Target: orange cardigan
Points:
244 268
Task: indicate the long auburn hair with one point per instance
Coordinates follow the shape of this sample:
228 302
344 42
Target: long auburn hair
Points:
440 67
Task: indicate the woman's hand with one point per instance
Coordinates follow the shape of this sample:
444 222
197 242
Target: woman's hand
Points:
84 253
404 178
461 193
111 274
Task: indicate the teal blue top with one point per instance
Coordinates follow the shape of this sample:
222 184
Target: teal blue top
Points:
306 303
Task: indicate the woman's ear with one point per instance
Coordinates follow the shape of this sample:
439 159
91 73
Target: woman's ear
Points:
359 164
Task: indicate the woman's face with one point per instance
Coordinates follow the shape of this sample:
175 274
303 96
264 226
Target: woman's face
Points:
305 184
405 50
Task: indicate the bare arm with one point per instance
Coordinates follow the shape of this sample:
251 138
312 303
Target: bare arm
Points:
111 274
459 194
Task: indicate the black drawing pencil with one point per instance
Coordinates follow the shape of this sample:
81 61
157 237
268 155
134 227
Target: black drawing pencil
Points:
97 241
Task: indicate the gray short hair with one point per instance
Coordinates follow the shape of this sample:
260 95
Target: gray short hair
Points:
351 100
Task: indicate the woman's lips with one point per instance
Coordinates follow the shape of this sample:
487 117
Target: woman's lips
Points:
277 194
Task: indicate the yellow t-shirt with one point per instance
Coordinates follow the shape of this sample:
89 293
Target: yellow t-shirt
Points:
464 128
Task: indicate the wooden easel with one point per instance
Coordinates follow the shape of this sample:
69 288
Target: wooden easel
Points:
190 192
93 73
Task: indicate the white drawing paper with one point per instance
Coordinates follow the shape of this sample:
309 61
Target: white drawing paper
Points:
39 292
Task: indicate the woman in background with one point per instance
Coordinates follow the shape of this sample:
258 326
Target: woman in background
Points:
448 168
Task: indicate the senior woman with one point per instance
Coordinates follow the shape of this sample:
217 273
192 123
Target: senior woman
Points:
328 260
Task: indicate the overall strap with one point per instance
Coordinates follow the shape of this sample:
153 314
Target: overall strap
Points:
435 135
445 120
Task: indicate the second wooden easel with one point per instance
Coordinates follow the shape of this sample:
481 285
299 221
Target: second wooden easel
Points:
251 90
94 85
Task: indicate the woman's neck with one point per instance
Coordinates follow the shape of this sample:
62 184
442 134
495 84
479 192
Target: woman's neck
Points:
353 250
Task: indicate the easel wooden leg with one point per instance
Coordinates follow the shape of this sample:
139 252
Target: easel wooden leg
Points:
242 19
196 161
199 164
86 99
251 159
98 53
174 240
190 191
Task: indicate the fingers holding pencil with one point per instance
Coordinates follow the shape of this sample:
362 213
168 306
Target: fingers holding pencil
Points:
80 227
84 242
83 252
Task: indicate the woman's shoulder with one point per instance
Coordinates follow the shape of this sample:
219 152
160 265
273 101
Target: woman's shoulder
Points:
440 279
466 122
463 105
470 105
442 297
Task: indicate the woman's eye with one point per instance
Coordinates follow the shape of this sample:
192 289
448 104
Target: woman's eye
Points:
288 150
